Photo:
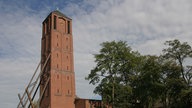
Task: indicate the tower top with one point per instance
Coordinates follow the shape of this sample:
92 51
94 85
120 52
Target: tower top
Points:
60 14
57 12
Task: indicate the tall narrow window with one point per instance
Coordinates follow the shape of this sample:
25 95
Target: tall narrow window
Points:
55 22
49 23
68 24
45 31
47 28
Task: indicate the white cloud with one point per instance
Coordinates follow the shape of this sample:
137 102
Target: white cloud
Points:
14 75
20 36
145 25
135 21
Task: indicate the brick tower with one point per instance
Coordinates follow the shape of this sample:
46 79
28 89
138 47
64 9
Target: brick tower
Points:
57 43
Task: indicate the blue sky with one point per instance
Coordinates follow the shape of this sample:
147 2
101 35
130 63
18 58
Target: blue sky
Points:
145 25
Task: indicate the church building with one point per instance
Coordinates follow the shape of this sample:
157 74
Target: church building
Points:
56 79
57 43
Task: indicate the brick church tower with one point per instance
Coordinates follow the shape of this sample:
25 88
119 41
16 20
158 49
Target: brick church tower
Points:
57 44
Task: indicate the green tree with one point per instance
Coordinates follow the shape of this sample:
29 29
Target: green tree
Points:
113 64
178 80
149 87
124 78
171 81
180 52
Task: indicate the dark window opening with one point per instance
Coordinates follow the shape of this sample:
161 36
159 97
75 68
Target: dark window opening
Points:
57 76
49 23
47 26
44 26
49 44
55 22
68 24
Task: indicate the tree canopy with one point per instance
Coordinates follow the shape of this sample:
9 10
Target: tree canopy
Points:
125 78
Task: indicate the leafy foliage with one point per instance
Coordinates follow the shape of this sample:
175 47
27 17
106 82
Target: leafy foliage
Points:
125 78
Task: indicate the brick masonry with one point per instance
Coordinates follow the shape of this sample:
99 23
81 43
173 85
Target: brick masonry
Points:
57 39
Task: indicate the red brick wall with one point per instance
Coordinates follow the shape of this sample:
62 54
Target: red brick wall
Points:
88 103
58 42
